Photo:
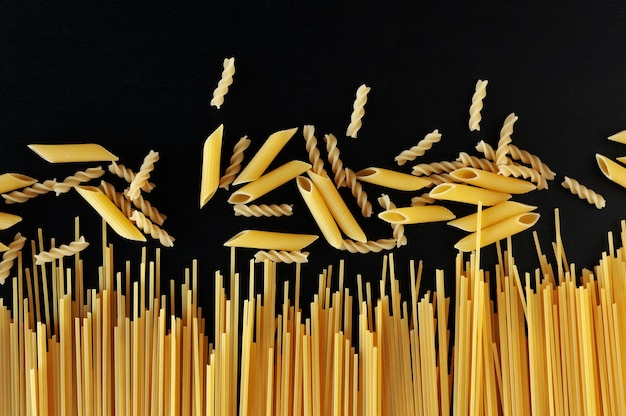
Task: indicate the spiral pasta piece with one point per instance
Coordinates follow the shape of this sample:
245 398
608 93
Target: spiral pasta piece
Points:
480 93
477 163
532 160
336 164
235 163
33 191
419 149
56 253
398 229
525 172
147 209
9 256
117 198
263 210
154 230
143 175
358 111
583 192
487 150
358 193
281 256
436 167
128 175
78 178
224 82
311 148
505 139
369 246
421 200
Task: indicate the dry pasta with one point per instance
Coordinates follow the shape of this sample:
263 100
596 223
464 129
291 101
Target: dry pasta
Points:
487 150
611 170
30 192
118 198
65 153
64 250
416 215
141 178
78 178
336 164
422 199
437 167
269 240
478 163
320 211
491 215
468 194
583 192
419 149
149 228
392 179
619 137
490 180
147 209
372 246
211 156
398 229
314 153
480 92
532 160
498 231
505 139
263 210
281 256
525 172
9 256
235 163
12 181
358 111
8 220
128 175
358 193
226 81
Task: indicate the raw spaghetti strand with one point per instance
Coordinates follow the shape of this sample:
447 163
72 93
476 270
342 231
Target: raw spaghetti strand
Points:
141 178
419 149
78 178
358 111
235 163
370 246
9 256
64 250
226 81
30 192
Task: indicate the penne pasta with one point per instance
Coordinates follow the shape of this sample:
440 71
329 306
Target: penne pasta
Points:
12 181
492 215
211 165
612 170
468 194
621 159
110 213
392 179
322 215
269 182
498 231
619 137
490 180
66 153
264 157
338 208
270 240
8 220
416 215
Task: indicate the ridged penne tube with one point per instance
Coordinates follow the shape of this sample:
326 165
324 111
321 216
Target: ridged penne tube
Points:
8 220
619 137
320 211
369 246
416 215
490 180
12 181
270 240
264 157
498 231
492 215
621 159
338 208
79 177
67 153
211 165
269 182
468 194
612 170
110 213
392 179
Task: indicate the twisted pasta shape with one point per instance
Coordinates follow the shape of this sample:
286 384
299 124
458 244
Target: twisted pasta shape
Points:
128 175
117 198
480 93
369 246
78 178
154 230
358 193
56 253
263 210
477 163
9 256
439 178
30 192
398 229
142 176
423 199
532 160
224 82
505 139
311 148
583 192
147 209
358 111
281 256
235 163
336 164
419 149
436 167
525 172
487 150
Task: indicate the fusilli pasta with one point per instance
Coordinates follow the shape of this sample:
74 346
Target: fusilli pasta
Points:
583 192
419 149
480 93
143 175
398 229
436 167
9 256
477 163
358 111
369 246
281 256
128 175
505 139
525 172
222 86
147 209
118 198
235 163
423 199
56 253
358 193
263 210
23 195
154 230
78 178
532 160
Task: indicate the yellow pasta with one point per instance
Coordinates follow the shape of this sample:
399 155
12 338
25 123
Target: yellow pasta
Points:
128 175
498 231
311 147
505 139
612 170
149 228
270 240
416 215
437 167
264 157
372 246
9 256
141 178
64 250
320 211
8 220
30 192
358 111
263 210
79 177
480 93
358 192
621 159
492 215
398 229
12 181
269 182
583 192
619 137
476 162
419 149
490 180
281 256
118 198
468 194
392 179
224 82
211 154
64 153
110 213
334 159
338 208
235 163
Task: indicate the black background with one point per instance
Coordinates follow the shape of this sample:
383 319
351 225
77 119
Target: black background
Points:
140 77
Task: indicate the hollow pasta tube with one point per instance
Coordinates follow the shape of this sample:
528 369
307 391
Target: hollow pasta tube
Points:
492 215
320 211
612 170
270 240
392 179
490 180
498 231
468 194
211 165
416 215
12 181
65 153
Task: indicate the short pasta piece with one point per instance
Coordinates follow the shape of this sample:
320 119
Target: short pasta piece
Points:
525 172
468 194
621 159
154 230
358 111
416 215
419 149
490 180
12 181
117 198
30 192
334 159
128 175
392 179
423 199
320 211
225 82
358 193
437 167
314 153
65 250
9 256
210 166
498 231
235 163
398 229
147 209
619 137
281 256
270 240
141 178
78 178
263 210
491 215
612 170
480 92
476 162
583 192
375 246
8 220
505 139
532 160
65 153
